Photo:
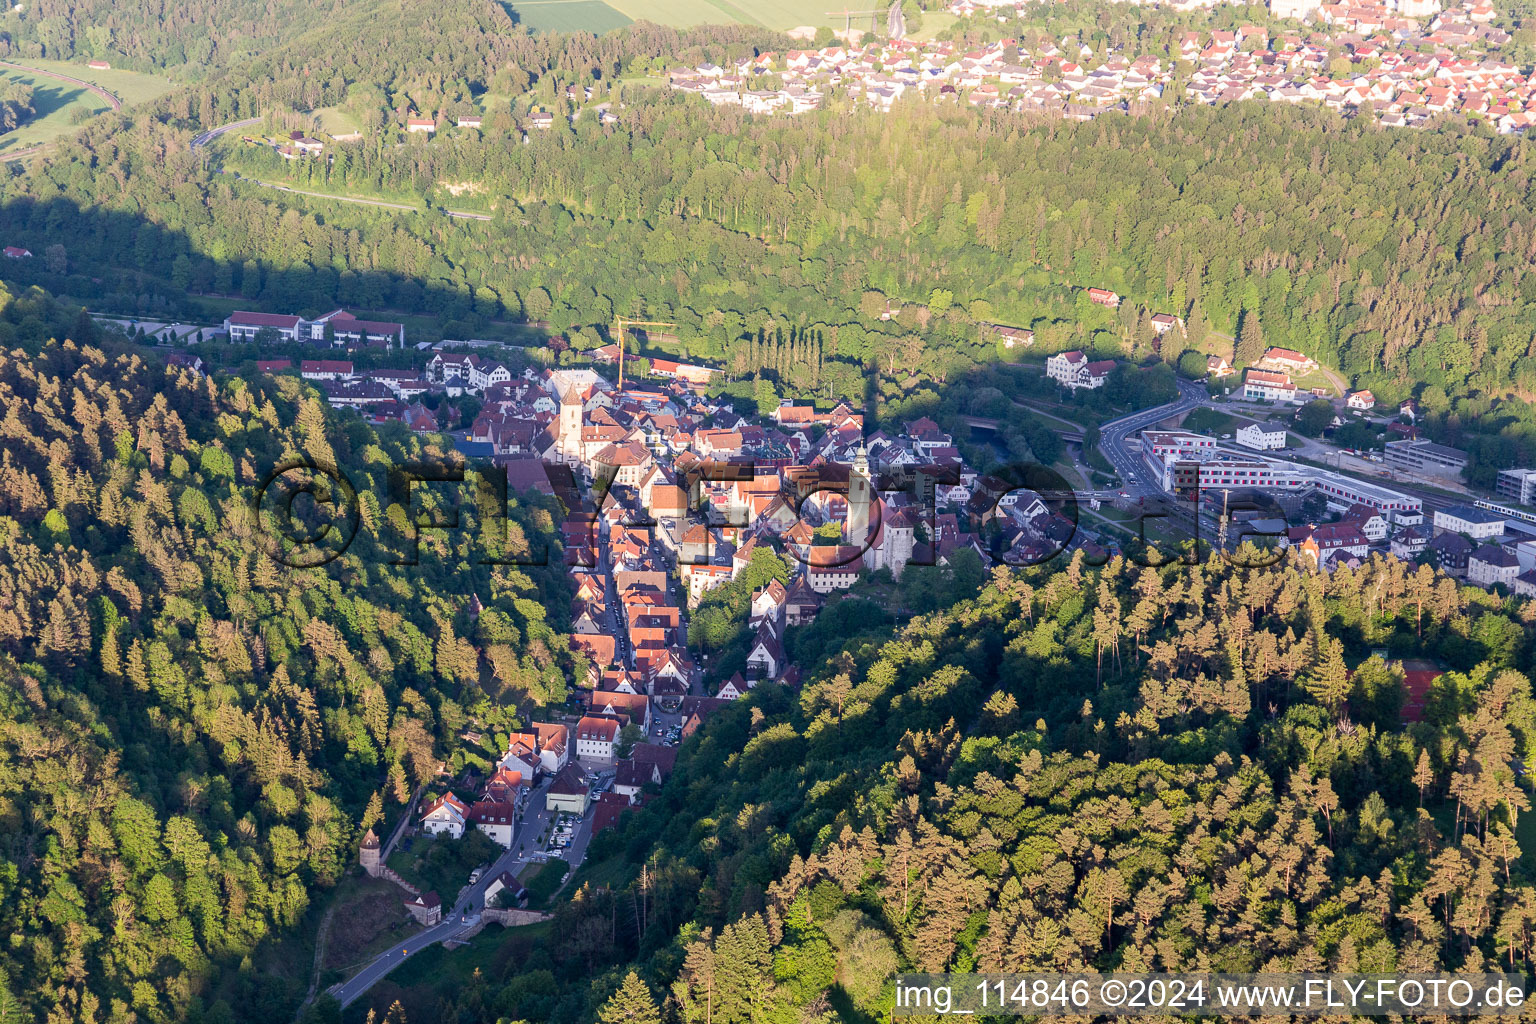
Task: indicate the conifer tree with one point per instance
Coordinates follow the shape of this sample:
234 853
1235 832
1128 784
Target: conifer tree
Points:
631 1004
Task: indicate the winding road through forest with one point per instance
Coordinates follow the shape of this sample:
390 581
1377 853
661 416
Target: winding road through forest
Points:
203 138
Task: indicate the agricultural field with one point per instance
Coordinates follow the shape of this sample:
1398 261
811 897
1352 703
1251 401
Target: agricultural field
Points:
61 105
131 87
567 15
599 16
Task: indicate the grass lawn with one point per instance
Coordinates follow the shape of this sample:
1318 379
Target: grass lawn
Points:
490 952
1315 379
1070 474
335 121
440 864
934 22
129 86
542 881
613 872
368 915
59 103
1210 421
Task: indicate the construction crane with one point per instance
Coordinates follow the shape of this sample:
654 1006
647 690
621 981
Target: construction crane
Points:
621 322
848 17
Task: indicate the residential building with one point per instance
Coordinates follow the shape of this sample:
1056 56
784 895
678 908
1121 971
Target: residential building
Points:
1370 522
426 909
1260 440
1491 565
1287 360
505 891
766 658
497 820
1074 370
1014 337
568 792
1362 401
325 369
1324 545
1451 551
1408 544
445 814
1478 524
597 739
1268 386
1525 584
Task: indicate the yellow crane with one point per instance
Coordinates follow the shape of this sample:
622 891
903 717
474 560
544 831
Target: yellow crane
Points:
621 322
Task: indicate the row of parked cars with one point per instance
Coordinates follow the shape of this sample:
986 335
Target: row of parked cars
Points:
562 832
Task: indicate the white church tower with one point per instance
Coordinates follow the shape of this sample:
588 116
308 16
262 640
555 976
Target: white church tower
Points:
859 499
568 434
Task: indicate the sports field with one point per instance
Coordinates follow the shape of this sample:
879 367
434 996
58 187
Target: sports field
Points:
600 16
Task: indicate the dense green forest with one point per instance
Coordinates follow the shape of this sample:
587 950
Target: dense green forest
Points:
194 736
1200 768
748 228
145 36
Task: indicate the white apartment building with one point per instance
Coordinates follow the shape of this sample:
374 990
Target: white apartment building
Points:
1260 440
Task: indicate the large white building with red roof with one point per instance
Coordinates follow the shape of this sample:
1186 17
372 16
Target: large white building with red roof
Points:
345 329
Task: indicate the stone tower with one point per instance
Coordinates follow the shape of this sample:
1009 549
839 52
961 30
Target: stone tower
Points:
859 499
368 855
568 437
898 540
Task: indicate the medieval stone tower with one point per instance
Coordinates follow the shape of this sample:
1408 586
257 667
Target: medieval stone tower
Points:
568 435
368 854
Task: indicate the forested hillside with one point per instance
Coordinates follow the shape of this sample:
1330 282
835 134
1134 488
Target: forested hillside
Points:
153 35
193 735
1199 768
735 226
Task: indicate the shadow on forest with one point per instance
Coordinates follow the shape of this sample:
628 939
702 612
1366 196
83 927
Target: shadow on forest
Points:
117 262
121 263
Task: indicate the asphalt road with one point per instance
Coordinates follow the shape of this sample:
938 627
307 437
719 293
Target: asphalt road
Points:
1118 444
464 913
203 138
359 201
